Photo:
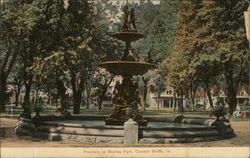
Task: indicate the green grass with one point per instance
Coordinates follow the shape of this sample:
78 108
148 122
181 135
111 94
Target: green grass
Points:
8 115
150 112
238 119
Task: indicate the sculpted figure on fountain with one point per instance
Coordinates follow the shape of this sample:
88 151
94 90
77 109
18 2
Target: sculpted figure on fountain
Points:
129 19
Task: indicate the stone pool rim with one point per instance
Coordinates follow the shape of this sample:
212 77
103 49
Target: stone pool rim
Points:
213 130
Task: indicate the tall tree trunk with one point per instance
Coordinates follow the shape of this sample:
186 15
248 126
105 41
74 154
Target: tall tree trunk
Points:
77 92
6 67
158 100
101 97
27 85
19 85
87 97
26 107
192 95
104 89
210 99
204 102
37 92
77 102
231 95
61 92
88 90
28 80
209 95
76 106
3 82
88 86
174 100
145 92
231 87
100 100
49 99
232 101
143 107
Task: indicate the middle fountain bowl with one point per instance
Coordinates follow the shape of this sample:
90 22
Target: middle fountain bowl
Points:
128 36
127 67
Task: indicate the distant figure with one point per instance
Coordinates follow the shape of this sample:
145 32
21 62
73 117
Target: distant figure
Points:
243 115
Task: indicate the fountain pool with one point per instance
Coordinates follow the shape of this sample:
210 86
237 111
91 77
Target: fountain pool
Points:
149 125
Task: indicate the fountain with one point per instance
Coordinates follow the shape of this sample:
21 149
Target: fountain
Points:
118 127
126 94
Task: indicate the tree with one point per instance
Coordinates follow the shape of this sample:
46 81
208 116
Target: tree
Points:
64 36
145 14
16 78
144 88
158 24
103 80
157 84
225 21
11 39
180 75
73 40
209 35
207 69
163 29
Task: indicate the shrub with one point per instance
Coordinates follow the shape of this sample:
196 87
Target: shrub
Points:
219 111
181 109
38 106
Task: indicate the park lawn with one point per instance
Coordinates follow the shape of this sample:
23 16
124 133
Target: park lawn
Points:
150 112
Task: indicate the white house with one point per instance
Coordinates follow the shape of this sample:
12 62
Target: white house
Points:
167 99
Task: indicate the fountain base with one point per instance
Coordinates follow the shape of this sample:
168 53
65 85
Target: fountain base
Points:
91 129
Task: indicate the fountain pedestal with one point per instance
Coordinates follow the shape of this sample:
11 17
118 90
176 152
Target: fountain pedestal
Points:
126 95
125 102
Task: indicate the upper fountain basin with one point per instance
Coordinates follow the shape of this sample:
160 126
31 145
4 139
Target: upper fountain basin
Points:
128 36
127 67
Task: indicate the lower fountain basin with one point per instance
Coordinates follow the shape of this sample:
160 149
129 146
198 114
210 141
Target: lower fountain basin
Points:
159 130
127 67
149 125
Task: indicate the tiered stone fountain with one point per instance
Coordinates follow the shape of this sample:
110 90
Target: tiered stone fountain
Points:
126 94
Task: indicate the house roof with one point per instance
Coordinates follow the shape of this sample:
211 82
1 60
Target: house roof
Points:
200 94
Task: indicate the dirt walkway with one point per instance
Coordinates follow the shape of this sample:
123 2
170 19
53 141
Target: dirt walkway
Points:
8 139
